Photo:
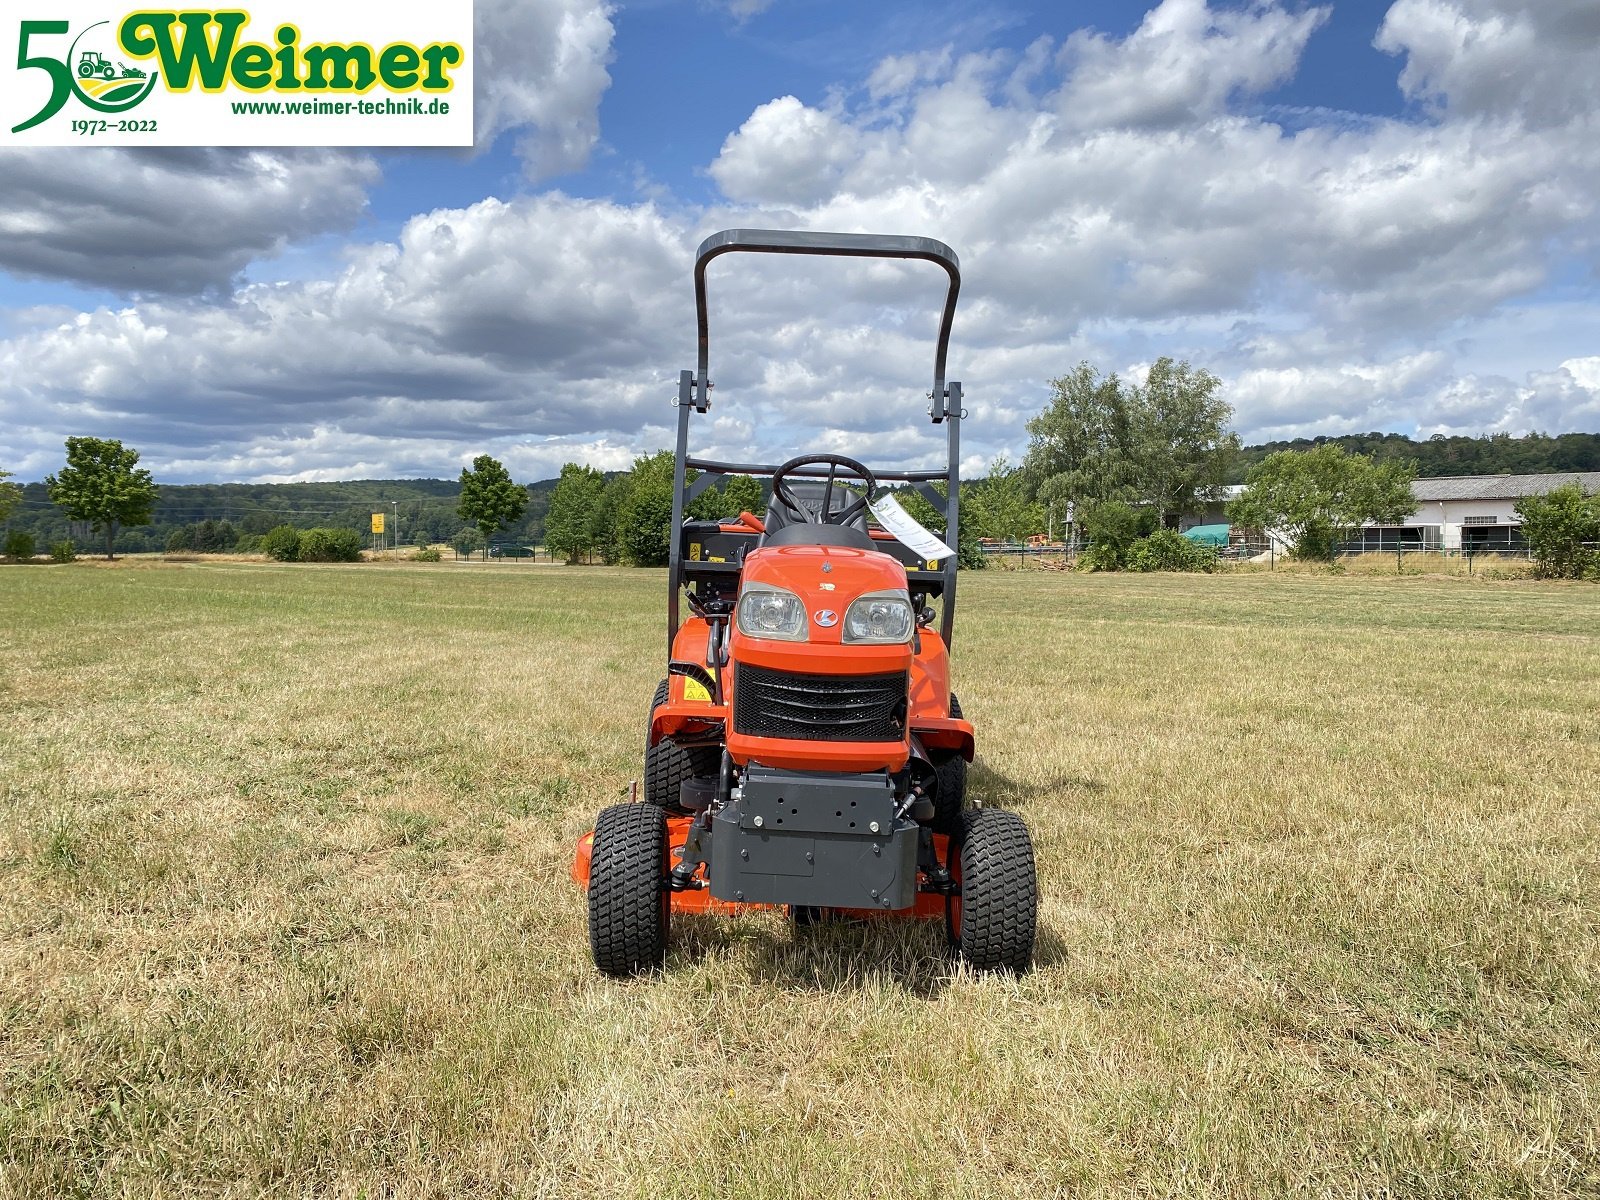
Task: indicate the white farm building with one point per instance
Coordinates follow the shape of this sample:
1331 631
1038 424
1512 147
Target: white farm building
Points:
1471 513
1468 512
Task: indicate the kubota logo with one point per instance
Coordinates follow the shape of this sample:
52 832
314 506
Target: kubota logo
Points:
112 66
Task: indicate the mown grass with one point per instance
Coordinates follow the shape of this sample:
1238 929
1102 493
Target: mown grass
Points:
284 854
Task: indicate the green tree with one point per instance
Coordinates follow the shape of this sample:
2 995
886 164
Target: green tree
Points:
10 496
1320 497
569 526
644 514
103 485
743 493
1562 528
1080 448
1183 449
603 523
489 498
1164 442
1001 505
468 540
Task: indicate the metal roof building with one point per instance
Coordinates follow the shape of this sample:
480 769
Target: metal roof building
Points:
1472 512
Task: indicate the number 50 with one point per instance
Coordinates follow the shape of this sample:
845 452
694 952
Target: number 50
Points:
60 77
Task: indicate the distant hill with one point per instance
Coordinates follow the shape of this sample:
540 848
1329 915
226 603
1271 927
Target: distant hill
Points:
426 505
1497 454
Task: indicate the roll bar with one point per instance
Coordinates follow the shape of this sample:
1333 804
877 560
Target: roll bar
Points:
840 245
694 389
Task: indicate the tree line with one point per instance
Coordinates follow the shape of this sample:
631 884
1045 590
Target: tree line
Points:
1114 460
1495 454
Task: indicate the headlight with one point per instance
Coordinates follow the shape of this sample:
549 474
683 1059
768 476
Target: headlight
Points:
770 612
879 617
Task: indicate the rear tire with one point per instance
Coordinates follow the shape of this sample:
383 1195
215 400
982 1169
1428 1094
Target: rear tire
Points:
630 909
994 919
950 773
667 764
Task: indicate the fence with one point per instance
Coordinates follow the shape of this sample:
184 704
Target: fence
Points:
513 552
1271 552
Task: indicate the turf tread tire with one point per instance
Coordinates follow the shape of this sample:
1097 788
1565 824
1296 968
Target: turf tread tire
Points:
950 795
999 891
630 910
667 764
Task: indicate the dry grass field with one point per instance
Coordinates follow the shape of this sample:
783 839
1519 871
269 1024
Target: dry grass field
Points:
284 852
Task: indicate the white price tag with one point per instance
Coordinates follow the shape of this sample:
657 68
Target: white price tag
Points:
908 530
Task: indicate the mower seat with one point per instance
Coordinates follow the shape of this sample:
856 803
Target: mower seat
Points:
806 534
786 529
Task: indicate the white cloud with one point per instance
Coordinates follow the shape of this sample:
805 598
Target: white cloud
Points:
480 324
540 72
1531 58
168 221
1563 400
741 10
1184 63
785 153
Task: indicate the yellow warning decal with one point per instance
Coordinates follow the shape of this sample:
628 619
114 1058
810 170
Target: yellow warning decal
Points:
714 558
694 551
693 689
933 564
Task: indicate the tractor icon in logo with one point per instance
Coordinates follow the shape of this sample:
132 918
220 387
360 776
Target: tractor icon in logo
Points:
104 84
94 63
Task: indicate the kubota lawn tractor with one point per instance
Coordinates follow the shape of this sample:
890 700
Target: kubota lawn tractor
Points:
805 749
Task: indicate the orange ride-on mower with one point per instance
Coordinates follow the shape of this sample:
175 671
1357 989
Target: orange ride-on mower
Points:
805 749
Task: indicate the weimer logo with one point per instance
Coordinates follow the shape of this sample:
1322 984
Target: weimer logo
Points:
365 73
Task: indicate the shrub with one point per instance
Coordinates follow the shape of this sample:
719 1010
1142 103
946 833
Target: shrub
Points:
330 545
19 546
467 541
63 552
1563 531
426 554
282 543
249 543
1111 527
1168 550
1100 556
180 539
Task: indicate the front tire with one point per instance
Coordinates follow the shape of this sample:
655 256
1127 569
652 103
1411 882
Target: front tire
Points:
630 909
993 921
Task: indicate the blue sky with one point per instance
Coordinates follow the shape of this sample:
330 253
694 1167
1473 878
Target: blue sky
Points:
1360 215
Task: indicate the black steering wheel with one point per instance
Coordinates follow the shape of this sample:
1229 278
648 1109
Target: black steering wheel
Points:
834 462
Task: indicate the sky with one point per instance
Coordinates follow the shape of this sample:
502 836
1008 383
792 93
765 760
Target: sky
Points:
1359 216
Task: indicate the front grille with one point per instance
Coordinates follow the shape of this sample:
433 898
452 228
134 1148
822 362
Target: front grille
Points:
819 708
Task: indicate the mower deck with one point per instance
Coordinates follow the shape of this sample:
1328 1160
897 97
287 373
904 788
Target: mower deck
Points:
929 905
